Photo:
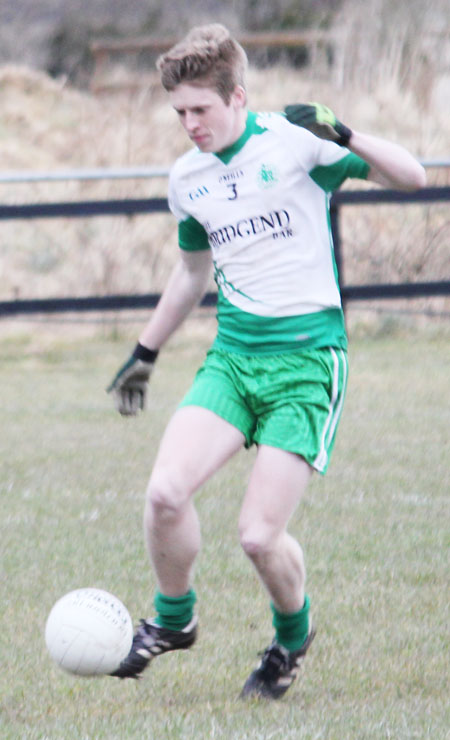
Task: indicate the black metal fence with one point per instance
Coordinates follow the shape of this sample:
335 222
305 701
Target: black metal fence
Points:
389 290
129 207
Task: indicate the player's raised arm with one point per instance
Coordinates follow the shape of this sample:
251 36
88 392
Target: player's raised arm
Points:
185 288
391 165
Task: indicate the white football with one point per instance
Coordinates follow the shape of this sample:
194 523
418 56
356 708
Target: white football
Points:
88 632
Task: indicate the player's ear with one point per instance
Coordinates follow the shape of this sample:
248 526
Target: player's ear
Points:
239 97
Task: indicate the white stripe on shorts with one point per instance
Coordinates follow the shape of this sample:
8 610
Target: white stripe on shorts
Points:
335 409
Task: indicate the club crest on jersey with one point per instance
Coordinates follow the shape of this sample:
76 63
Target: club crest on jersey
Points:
267 176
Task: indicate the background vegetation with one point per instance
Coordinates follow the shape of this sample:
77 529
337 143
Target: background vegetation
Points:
388 74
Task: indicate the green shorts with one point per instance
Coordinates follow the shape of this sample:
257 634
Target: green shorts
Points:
292 401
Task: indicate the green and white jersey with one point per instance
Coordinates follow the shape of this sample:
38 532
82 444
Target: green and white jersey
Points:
262 207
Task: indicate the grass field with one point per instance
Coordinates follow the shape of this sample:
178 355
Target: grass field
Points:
375 532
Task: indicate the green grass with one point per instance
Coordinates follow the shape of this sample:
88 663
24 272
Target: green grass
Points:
375 533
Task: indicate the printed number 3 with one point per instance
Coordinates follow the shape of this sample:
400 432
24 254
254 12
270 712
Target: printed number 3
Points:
233 190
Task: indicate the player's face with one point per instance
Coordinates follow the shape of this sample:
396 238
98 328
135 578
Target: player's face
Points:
208 121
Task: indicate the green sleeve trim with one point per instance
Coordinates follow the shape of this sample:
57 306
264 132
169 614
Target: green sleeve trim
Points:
192 237
330 177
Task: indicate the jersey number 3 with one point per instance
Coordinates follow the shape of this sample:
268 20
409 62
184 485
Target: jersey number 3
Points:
234 194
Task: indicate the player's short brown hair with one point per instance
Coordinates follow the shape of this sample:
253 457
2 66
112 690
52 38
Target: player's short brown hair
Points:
208 57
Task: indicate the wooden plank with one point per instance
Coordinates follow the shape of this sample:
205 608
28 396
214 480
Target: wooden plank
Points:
249 40
103 50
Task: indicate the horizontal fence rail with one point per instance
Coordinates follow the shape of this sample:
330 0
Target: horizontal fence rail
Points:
363 197
92 173
130 207
149 300
127 173
83 209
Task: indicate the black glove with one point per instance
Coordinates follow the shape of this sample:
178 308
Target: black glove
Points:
320 120
129 387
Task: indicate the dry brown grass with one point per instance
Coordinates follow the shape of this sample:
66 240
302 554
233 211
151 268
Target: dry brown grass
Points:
47 125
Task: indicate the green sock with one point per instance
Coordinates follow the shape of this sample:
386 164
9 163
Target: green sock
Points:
291 630
174 612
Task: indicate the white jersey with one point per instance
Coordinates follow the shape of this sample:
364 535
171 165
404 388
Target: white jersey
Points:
262 207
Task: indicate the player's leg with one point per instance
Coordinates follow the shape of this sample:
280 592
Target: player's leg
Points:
300 400
196 443
277 483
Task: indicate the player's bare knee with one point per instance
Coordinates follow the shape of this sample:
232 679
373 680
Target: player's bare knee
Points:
256 542
164 498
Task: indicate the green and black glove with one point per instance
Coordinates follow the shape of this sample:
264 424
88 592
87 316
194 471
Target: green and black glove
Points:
320 120
129 387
